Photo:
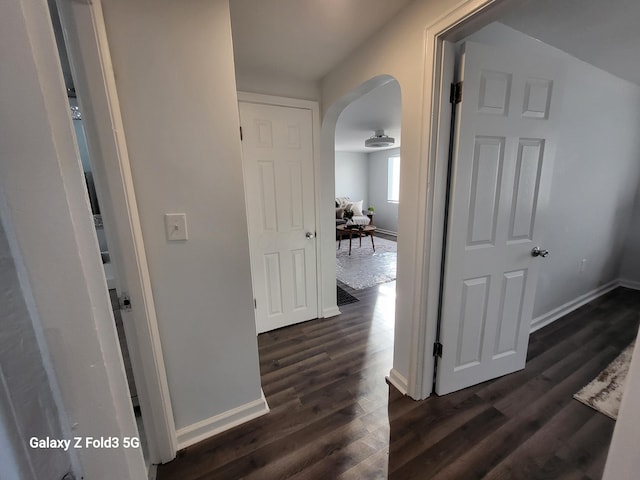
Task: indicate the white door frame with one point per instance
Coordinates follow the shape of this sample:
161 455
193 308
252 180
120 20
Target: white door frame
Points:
86 39
276 101
464 19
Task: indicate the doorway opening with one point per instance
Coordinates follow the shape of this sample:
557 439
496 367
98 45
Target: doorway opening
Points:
564 284
119 301
367 190
89 58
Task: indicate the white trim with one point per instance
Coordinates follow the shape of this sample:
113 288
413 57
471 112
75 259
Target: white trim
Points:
559 312
331 312
386 232
314 106
209 427
629 284
278 101
396 379
90 58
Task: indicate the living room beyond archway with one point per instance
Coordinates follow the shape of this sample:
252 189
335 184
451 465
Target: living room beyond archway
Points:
367 185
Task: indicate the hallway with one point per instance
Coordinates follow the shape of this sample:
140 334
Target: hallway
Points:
333 416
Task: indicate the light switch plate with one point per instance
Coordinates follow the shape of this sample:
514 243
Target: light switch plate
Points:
175 225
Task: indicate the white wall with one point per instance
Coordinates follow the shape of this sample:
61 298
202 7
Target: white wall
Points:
44 202
595 181
386 213
175 77
596 174
27 404
352 176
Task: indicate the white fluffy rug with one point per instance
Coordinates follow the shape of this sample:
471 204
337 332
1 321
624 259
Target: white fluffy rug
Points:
604 393
364 268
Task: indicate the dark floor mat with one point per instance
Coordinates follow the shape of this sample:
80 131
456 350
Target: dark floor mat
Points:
345 298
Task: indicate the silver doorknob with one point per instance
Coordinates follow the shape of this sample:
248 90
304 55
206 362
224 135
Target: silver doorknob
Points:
539 252
310 235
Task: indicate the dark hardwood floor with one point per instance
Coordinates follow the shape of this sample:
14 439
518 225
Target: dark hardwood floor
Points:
333 416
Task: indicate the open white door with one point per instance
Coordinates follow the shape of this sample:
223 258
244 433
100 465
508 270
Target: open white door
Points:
277 152
502 162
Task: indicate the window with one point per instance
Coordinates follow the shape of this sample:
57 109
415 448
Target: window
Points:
393 180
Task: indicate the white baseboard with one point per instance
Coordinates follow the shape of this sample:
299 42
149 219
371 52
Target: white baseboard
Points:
630 284
399 381
331 312
386 232
197 432
562 310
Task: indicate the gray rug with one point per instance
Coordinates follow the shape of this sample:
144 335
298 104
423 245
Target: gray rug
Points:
604 393
365 268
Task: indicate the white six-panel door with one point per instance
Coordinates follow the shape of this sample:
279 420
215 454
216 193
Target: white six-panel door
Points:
502 162
277 151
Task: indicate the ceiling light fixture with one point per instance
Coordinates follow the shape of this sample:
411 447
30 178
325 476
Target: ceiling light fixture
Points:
379 140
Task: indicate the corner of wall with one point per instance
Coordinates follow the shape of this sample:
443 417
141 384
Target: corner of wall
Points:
399 381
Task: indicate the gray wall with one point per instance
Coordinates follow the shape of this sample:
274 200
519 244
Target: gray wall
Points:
27 405
352 176
597 167
386 216
630 264
180 113
364 176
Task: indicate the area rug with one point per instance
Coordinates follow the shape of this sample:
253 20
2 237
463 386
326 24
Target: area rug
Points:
605 391
344 297
365 268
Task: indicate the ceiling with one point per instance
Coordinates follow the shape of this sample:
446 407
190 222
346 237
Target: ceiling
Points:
378 109
305 40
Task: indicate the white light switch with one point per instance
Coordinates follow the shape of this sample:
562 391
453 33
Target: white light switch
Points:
175 225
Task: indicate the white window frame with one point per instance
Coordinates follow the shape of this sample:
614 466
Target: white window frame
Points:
393 179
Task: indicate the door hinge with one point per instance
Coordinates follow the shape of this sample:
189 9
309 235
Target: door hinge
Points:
125 302
255 303
455 96
240 133
437 349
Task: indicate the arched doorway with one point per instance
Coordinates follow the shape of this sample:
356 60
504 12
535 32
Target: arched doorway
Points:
329 142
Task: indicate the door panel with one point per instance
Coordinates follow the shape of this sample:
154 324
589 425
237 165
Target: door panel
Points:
495 92
474 307
501 169
278 167
527 185
511 304
485 190
268 196
299 279
273 282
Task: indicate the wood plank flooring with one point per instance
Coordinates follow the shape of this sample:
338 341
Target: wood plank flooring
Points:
333 416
